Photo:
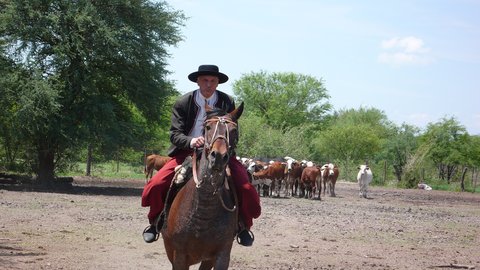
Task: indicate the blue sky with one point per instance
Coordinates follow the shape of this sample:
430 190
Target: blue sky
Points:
416 60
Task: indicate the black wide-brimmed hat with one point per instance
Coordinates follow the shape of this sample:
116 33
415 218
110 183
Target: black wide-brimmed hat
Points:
208 70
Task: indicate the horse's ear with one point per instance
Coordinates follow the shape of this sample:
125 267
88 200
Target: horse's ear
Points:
237 112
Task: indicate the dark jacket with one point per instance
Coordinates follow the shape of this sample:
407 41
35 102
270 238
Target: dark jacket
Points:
184 113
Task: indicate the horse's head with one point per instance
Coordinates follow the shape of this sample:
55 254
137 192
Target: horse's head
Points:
221 136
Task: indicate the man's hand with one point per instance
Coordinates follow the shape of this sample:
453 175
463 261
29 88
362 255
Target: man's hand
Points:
197 142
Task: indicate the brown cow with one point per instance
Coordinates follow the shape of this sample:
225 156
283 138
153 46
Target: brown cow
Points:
274 172
308 182
154 162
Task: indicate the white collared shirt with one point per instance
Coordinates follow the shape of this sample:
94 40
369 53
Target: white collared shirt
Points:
200 100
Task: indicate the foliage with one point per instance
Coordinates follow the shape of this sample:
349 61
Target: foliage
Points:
354 137
94 72
346 144
413 167
399 147
449 143
258 139
283 100
10 142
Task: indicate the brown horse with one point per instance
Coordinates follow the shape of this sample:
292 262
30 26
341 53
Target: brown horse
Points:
202 222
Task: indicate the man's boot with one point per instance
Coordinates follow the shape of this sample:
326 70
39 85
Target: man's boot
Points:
152 232
245 237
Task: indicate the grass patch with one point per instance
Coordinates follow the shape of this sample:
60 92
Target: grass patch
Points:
109 169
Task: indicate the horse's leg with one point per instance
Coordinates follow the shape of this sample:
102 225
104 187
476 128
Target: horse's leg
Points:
223 259
180 262
207 265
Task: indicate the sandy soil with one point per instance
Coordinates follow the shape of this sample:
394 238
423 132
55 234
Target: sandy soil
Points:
97 224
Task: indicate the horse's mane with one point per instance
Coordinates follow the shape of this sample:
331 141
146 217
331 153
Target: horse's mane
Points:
215 112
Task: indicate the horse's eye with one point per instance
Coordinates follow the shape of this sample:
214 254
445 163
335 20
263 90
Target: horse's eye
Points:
207 127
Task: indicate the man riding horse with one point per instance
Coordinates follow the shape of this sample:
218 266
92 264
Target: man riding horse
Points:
188 116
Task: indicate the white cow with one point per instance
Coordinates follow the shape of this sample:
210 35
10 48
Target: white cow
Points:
364 177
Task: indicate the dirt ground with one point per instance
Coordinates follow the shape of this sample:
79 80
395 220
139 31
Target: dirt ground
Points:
97 224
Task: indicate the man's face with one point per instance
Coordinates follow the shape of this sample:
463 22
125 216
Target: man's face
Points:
208 84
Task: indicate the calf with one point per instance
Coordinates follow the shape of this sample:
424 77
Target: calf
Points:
308 181
330 174
293 172
274 172
262 185
364 177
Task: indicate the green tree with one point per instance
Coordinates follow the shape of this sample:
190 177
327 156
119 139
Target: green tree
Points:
474 159
257 138
376 119
346 144
96 72
400 147
354 136
283 99
448 141
9 140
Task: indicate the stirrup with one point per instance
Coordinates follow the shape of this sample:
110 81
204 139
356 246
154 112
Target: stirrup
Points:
157 235
250 235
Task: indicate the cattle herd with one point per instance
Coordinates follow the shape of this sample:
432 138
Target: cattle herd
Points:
286 177
303 179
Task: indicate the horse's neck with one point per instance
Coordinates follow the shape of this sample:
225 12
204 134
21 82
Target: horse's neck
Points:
207 177
205 193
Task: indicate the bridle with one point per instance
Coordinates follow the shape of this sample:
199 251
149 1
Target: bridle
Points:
219 120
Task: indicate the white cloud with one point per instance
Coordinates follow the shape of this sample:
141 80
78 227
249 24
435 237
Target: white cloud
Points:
399 51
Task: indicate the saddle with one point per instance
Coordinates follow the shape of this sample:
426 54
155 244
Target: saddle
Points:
183 173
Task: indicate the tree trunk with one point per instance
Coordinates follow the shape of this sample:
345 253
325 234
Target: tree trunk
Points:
46 166
398 172
451 170
462 185
88 171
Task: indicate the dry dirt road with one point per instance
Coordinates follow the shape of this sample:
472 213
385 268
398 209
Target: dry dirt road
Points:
97 224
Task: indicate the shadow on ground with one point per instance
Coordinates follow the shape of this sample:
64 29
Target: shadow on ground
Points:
74 185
